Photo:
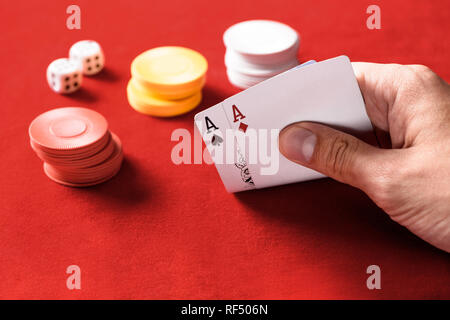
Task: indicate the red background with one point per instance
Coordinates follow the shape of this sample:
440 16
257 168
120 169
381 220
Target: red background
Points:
158 230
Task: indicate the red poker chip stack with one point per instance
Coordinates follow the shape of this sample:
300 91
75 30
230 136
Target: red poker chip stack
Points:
76 146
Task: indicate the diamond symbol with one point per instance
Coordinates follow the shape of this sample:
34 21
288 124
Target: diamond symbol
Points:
243 127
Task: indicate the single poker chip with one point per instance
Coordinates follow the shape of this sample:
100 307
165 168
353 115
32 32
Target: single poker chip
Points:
80 162
145 103
241 81
260 37
172 95
99 169
234 61
70 154
170 71
79 184
68 128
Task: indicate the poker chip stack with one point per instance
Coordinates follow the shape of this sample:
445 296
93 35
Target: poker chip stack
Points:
76 146
167 81
259 49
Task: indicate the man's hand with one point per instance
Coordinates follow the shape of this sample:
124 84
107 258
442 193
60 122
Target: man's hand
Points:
411 181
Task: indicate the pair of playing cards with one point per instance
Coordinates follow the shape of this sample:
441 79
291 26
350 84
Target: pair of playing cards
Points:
241 133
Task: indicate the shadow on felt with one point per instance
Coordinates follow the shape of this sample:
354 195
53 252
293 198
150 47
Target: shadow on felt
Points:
325 207
106 75
83 95
126 188
211 97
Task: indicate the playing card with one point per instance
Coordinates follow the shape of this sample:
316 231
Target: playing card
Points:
220 142
325 92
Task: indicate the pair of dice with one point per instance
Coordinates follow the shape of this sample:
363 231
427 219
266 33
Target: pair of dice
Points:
65 75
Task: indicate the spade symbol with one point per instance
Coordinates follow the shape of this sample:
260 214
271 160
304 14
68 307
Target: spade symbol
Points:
216 140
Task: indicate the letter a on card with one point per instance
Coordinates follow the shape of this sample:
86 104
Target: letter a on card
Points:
209 124
237 114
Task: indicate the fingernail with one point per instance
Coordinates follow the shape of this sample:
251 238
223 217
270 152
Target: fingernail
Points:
297 143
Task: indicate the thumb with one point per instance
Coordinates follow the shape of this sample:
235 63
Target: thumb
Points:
332 152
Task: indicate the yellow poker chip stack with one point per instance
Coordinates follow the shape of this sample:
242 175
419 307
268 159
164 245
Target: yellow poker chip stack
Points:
167 81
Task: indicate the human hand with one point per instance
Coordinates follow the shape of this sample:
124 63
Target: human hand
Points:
410 181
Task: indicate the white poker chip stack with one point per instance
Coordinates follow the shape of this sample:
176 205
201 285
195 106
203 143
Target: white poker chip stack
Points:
257 50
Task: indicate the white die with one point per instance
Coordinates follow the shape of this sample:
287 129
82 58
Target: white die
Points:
64 76
90 56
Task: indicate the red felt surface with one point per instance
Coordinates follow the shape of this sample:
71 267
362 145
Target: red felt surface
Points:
159 230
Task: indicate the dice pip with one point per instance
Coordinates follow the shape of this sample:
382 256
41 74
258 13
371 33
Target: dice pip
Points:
64 76
89 55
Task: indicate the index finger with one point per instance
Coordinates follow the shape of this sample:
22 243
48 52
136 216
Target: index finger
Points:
379 84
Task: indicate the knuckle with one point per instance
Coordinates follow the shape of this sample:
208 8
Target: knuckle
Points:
417 74
338 156
413 79
382 184
387 181
395 68
420 69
